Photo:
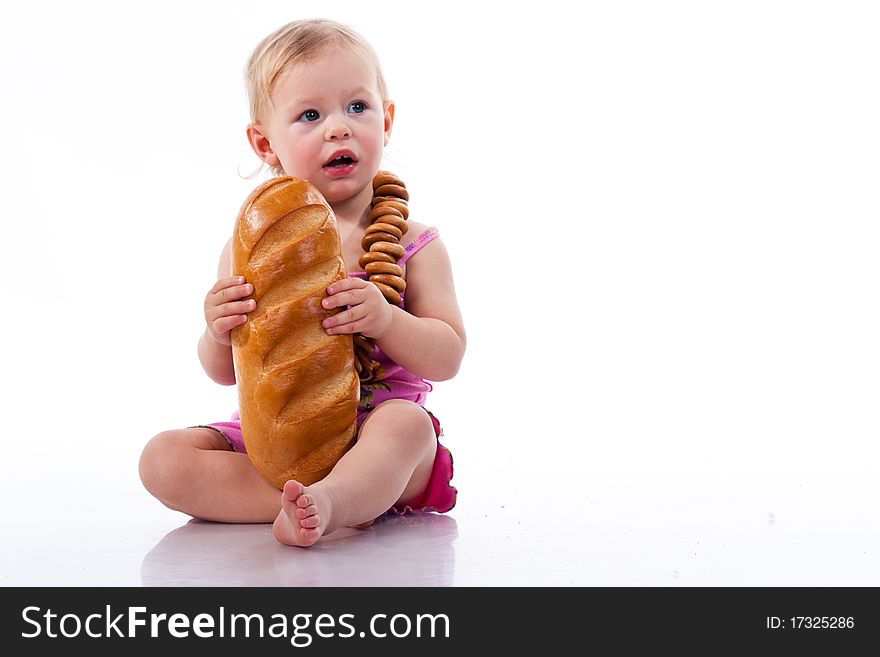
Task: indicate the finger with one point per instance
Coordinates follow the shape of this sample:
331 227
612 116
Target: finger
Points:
236 308
349 283
356 326
227 281
226 324
233 293
346 316
358 322
346 297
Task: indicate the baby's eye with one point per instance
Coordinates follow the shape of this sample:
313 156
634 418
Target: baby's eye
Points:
357 107
309 115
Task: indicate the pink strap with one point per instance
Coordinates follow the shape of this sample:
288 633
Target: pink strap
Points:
418 243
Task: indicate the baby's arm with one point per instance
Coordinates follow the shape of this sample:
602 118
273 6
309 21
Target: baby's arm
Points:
224 310
427 338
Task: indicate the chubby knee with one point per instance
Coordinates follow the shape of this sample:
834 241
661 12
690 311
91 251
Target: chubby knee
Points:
404 421
166 461
158 463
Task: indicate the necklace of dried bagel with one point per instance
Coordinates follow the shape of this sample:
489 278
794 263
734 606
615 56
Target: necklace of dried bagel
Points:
381 244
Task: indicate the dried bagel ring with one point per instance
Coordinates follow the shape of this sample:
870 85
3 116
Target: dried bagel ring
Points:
390 280
384 268
382 227
365 365
372 238
389 293
385 178
395 220
394 250
364 356
389 224
395 203
383 210
362 341
375 256
393 190
400 207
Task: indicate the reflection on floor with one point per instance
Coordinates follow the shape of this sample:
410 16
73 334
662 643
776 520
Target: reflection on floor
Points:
412 550
620 529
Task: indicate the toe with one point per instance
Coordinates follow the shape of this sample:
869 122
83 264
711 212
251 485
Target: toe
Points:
310 523
293 489
310 535
306 512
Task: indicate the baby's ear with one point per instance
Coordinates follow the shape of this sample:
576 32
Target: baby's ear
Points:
259 141
389 119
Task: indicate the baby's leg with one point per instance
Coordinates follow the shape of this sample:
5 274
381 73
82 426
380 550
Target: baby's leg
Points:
196 472
390 463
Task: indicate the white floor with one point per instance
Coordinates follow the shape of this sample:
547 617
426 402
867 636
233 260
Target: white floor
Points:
612 530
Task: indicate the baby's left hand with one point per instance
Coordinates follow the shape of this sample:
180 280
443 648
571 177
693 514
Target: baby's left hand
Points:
369 312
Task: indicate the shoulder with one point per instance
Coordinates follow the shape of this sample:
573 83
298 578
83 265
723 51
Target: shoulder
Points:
413 230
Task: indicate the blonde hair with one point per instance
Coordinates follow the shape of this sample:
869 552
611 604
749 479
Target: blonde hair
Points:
294 43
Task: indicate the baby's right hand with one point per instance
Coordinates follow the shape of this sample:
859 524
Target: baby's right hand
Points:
224 308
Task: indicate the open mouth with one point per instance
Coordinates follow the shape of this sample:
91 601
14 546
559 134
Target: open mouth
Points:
341 159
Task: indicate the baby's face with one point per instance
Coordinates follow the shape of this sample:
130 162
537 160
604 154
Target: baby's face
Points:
327 123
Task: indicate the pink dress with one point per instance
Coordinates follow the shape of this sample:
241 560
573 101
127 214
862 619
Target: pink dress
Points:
393 382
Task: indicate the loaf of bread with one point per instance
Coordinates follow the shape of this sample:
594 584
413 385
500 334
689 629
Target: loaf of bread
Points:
298 387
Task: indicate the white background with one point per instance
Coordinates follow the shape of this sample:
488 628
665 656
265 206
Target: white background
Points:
662 218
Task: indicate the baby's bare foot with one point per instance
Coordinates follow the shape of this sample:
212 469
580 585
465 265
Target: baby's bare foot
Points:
303 517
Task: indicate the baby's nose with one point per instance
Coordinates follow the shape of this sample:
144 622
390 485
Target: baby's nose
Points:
337 130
